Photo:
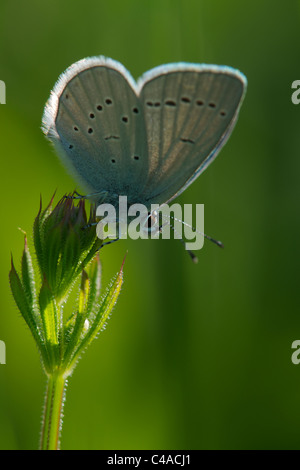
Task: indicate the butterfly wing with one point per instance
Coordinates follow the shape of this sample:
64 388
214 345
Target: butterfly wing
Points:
149 140
95 121
190 111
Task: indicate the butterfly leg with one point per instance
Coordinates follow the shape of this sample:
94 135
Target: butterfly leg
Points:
105 243
75 195
102 195
108 243
91 224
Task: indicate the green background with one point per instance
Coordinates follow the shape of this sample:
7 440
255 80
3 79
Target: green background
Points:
194 356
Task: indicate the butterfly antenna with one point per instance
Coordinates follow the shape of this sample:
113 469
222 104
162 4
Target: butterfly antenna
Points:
216 242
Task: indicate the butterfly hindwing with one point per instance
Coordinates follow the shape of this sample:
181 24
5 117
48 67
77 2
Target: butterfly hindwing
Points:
195 110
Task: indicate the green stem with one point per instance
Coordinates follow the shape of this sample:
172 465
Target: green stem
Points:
52 418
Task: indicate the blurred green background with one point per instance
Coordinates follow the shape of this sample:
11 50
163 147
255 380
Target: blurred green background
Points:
194 356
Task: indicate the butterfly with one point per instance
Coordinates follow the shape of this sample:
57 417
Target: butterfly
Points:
148 139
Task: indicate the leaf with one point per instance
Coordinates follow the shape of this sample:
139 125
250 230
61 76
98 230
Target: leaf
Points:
39 232
49 313
21 300
72 337
37 239
101 317
95 285
52 256
88 256
27 274
84 292
69 261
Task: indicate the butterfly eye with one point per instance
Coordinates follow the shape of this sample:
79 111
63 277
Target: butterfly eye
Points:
151 223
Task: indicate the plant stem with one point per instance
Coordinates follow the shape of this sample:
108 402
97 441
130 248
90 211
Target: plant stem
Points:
52 417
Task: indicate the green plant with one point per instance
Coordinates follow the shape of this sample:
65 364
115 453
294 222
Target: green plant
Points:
67 260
